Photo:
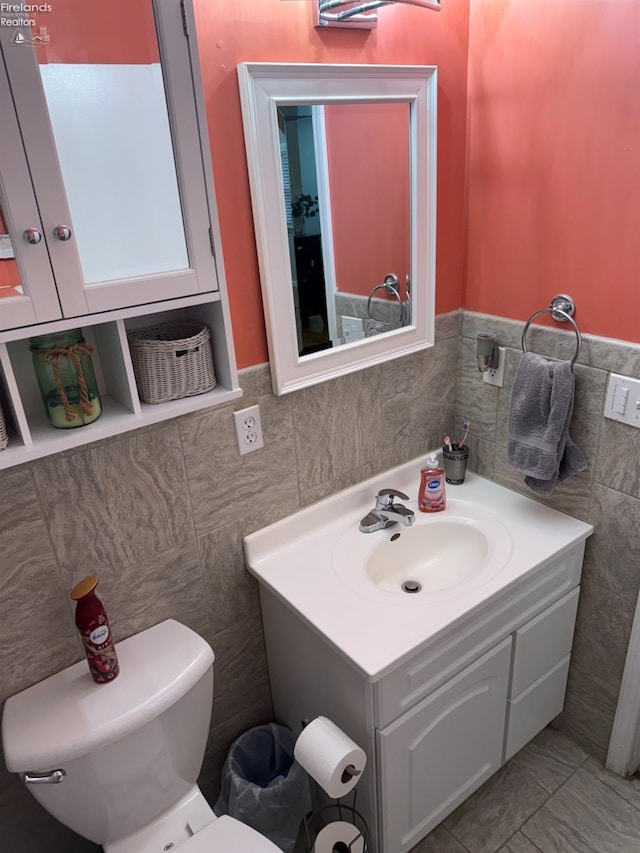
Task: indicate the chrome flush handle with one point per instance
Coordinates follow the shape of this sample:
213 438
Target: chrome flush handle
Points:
53 777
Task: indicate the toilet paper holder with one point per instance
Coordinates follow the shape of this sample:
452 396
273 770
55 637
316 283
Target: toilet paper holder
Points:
319 822
349 772
339 825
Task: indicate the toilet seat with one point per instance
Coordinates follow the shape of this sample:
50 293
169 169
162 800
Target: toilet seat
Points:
228 835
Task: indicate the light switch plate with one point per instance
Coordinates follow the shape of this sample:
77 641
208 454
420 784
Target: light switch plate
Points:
352 329
622 402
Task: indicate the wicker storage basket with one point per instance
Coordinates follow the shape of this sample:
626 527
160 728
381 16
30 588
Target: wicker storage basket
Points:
4 438
172 360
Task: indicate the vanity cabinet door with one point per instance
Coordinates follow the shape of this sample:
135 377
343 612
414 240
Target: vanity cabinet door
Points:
27 289
108 115
440 752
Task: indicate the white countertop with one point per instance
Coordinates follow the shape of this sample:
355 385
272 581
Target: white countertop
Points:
294 558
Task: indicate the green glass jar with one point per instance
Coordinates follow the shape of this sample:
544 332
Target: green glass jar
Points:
64 370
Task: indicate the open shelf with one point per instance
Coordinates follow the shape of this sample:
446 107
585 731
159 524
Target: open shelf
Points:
31 436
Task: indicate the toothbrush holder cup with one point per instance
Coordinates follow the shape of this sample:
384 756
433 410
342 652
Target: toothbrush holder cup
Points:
455 464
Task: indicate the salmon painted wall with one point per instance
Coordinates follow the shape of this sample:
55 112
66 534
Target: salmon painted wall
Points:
232 31
100 32
554 160
370 195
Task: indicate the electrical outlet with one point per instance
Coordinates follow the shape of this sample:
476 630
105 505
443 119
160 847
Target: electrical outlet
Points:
352 329
495 376
248 429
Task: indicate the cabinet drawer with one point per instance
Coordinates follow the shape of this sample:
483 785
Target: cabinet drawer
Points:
467 640
530 712
542 642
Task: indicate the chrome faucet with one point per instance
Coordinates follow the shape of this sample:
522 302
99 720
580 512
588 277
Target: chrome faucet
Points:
387 512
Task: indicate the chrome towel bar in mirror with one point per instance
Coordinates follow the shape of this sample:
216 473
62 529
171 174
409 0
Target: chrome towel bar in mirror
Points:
562 309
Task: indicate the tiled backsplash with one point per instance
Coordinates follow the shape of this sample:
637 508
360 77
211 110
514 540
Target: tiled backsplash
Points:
160 514
607 495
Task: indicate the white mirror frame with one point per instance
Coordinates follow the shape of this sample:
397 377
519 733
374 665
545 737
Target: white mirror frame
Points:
263 86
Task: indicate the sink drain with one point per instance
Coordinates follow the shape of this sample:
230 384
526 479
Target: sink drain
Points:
411 586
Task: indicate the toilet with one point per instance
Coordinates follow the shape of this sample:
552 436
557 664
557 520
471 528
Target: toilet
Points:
118 762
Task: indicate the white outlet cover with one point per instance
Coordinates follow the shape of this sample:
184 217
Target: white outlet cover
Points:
495 376
248 428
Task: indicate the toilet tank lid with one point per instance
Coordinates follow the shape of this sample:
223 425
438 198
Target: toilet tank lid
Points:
68 715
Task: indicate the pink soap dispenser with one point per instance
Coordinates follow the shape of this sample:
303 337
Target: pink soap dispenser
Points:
432 495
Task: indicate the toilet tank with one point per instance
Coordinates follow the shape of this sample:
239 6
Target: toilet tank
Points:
130 748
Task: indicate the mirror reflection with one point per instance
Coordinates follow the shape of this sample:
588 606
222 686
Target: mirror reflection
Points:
10 284
347 199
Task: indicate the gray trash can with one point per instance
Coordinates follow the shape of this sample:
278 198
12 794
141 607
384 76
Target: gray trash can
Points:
263 786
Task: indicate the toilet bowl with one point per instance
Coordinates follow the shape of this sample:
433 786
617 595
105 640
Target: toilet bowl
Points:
118 762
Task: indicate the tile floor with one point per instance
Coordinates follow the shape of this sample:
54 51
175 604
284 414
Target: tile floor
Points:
550 798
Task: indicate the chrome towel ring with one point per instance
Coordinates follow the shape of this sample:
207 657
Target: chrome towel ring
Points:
562 309
390 286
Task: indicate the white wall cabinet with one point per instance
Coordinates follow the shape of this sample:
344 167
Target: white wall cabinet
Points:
441 723
106 192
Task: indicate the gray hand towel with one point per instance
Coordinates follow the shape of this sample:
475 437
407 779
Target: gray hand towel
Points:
375 327
539 444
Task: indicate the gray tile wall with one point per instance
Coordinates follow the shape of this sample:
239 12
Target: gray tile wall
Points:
160 514
607 495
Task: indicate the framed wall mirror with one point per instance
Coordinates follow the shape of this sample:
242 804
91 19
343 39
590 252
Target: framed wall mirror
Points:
342 169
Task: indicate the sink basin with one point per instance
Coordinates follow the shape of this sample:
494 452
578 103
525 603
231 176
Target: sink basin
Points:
441 553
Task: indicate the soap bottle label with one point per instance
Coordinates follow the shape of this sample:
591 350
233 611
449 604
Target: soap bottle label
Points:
432 491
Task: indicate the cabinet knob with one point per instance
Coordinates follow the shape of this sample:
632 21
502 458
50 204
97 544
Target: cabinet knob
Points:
62 232
32 235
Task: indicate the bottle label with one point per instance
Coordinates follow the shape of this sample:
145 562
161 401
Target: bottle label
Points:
99 635
102 658
433 484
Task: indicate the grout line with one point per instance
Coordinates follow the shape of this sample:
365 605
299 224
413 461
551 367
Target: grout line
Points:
612 789
542 805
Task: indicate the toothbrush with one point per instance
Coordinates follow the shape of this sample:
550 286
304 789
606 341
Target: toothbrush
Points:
447 441
465 433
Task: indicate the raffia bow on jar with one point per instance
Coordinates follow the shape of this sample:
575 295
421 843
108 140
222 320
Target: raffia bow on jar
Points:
65 374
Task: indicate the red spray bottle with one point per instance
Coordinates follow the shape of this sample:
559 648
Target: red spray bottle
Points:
93 625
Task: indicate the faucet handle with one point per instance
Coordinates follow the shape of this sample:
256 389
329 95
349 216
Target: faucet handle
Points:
385 497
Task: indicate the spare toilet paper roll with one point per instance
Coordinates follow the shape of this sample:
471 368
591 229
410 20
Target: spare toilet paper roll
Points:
330 757
339 832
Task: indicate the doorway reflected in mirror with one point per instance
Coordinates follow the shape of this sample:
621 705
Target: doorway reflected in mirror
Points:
346 187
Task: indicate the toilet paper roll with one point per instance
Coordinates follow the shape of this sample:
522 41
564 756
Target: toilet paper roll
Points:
330 757
339 832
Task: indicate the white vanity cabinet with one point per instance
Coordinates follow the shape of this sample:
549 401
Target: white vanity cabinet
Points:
443 720
107 198
440 751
